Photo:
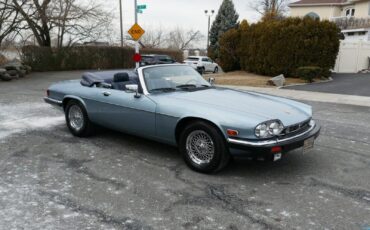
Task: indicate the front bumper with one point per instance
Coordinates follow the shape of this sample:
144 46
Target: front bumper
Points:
256 148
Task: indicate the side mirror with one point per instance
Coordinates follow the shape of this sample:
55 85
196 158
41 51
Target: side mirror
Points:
211 80
133 88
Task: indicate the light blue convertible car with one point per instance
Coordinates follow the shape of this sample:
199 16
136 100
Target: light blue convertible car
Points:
173 104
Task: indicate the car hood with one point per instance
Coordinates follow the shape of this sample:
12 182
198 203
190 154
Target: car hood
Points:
265 107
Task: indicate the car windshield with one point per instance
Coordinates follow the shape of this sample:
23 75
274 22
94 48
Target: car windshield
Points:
172 78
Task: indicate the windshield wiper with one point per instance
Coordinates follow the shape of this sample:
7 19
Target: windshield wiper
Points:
164 89
185 86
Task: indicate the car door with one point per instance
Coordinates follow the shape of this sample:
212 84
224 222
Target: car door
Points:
121 111
212 65
205 64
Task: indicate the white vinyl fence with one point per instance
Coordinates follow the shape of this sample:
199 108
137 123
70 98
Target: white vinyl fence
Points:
353 56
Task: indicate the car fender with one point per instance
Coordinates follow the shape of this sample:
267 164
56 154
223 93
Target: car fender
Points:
68 97
211 121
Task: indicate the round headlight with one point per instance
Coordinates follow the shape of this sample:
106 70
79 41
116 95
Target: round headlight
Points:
275 128
262 130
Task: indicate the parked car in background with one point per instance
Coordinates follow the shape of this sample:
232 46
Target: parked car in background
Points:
156 59
202 64
174 104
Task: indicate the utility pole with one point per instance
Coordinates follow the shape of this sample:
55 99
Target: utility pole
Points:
137 51
209 15
121 23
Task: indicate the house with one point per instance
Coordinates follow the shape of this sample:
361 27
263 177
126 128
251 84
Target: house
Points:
352 16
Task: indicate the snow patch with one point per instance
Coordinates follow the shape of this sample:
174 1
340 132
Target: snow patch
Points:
22 117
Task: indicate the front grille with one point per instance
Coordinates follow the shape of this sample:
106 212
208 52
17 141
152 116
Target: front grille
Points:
296 128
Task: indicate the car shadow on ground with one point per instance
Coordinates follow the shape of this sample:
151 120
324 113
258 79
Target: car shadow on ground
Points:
292 163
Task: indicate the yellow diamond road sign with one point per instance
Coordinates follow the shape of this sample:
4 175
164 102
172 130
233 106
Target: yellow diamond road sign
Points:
136 32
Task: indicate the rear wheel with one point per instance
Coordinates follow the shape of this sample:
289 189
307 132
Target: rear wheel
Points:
203 147
202 70
77 120
216 70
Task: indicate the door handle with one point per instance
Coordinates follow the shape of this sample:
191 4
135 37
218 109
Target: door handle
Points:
107 94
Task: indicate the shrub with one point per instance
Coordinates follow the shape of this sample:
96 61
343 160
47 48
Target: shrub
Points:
229 43
85 57
274 47
308 73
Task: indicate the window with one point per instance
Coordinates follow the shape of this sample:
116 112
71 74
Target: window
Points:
313 15
192 59
205 59
350 12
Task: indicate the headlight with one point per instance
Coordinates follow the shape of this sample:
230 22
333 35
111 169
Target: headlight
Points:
269 129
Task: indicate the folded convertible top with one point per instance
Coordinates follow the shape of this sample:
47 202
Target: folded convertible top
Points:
90 79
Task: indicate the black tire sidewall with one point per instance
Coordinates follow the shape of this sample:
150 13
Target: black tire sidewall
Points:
219 144
83 131
216 70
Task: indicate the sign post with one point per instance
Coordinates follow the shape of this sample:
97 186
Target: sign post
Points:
136 32
137 51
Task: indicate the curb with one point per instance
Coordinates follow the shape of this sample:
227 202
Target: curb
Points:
308 95
330 79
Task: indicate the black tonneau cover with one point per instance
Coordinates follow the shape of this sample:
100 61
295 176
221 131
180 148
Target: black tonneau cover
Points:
90 79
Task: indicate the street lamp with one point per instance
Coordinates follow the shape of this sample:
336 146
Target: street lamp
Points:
209 14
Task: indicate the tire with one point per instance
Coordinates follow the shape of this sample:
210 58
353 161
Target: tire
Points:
216 70
5 77
209 136
202 70
77 119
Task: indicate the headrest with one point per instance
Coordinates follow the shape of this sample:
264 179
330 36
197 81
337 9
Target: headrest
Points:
120 77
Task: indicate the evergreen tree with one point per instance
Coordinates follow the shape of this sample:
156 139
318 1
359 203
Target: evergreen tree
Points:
226 19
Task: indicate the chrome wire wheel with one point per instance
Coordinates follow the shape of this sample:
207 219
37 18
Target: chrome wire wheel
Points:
200 147
76 117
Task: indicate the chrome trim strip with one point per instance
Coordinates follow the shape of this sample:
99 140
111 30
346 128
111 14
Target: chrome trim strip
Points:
268 142
53 101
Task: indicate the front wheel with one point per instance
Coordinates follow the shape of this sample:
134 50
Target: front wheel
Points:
216 70
77 120
203 147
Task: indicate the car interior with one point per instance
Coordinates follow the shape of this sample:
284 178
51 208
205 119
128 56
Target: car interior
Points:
110 80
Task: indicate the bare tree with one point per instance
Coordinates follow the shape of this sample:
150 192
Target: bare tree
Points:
153 38
182 39
70 21
270 8
9 21
35 15
76 22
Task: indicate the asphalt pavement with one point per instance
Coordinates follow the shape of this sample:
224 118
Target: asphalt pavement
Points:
348 84
52 180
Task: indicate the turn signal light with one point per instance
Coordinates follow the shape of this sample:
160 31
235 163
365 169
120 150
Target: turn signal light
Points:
232 133
276 149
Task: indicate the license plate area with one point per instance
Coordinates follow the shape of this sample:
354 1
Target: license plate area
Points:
308 145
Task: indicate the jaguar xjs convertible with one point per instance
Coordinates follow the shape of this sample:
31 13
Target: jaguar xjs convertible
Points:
174 104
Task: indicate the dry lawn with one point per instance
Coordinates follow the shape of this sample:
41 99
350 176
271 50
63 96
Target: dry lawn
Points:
241 78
